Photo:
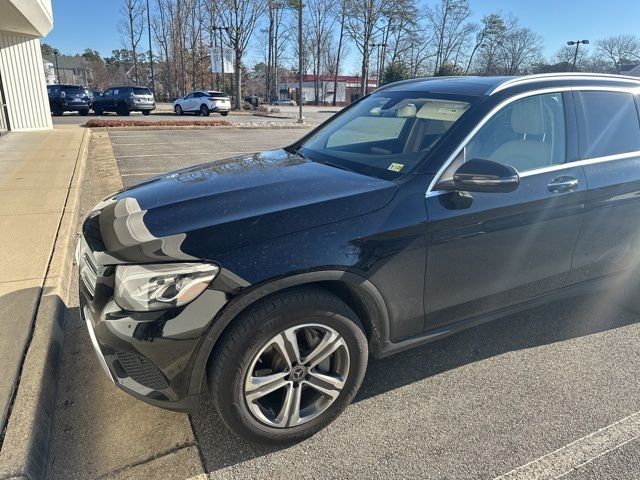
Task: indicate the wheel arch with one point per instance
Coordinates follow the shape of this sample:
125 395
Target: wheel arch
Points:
356 291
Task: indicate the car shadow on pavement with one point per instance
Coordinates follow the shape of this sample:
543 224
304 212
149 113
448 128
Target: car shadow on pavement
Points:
556 322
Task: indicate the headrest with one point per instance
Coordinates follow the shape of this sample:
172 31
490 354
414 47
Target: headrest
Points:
527 117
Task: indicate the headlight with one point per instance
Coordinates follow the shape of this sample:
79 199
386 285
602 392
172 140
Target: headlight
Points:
141 288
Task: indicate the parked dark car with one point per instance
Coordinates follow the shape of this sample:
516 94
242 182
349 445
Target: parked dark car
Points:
124 100
427 207
68 98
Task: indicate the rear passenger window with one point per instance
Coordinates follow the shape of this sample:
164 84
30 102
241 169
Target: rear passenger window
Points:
611 124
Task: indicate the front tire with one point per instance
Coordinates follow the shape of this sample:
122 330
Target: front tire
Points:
288 366
146 112
98 111
178 110
84 112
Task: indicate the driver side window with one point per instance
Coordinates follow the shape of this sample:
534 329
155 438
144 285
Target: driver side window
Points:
527 134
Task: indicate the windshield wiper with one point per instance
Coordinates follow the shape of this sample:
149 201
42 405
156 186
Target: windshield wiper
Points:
331 164
294 151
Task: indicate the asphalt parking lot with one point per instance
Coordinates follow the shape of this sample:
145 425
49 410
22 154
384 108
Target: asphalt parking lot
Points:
550 392
141 154
313 115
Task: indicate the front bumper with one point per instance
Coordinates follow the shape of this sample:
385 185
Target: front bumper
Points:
150 355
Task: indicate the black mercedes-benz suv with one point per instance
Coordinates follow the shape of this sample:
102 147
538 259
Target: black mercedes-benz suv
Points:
427 207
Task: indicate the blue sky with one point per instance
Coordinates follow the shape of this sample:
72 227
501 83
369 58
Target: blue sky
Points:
94 24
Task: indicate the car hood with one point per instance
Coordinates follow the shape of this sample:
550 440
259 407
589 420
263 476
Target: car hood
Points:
202 211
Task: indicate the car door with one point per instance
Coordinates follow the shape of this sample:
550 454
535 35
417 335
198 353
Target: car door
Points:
198 99
187 104
106 101
609 131
489 251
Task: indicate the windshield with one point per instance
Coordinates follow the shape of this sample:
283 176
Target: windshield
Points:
73 90
386 134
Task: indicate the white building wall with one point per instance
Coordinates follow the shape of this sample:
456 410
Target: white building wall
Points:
23 82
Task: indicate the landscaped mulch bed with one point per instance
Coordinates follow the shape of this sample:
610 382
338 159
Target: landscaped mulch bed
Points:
94 123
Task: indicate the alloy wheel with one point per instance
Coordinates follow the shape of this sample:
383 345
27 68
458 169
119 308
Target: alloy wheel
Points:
296 375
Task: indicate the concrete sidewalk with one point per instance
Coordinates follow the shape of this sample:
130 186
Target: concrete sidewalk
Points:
36 182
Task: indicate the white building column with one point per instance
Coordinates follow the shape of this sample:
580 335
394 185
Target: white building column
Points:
23 82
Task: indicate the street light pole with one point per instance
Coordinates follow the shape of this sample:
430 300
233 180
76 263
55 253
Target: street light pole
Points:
575 54
153 83
300 119
371 47
56 52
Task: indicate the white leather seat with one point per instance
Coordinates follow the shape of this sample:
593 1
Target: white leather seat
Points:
531 151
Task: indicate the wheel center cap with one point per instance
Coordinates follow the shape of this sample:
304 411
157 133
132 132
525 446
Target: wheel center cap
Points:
298 373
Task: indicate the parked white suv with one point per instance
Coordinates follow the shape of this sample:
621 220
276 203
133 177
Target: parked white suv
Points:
203 102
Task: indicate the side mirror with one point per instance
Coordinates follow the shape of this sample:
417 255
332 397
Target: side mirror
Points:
478 175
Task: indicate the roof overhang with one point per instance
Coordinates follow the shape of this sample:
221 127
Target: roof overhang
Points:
27 17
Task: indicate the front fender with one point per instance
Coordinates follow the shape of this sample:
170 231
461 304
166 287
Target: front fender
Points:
367 292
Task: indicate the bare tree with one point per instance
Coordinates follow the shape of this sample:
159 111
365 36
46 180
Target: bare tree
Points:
362 17
277 34
336 70
162 32
132 27
241 17
450 23
564 59
402 19
320 23
520 49
620 49
492 30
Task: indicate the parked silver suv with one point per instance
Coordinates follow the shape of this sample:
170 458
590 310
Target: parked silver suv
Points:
124 100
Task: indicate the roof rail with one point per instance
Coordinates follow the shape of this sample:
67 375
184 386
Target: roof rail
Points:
410 81
562 76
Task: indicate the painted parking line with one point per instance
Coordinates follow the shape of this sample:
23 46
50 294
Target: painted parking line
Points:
576 454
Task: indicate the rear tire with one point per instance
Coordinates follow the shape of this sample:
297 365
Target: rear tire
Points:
224 114
123 110
204 110
57 110
312 384
84 112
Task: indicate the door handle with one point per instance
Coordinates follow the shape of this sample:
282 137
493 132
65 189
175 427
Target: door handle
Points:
563 184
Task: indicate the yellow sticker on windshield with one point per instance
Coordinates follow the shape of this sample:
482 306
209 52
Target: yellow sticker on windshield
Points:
396 167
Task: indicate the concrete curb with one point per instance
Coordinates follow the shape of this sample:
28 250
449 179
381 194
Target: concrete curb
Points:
26 443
